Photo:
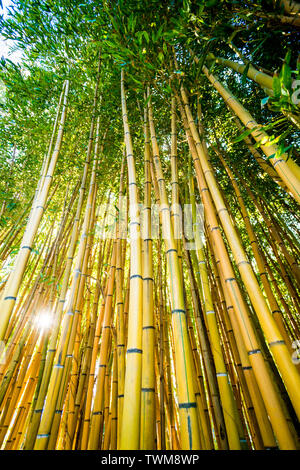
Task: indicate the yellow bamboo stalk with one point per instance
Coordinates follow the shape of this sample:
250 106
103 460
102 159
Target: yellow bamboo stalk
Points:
148 373
97 412
263 79
257 254
260 160
114 403
13 285
89 393
221 372
275 342
287 169
120 361
189 428
69 327
130 434
204 422
243 358
262 375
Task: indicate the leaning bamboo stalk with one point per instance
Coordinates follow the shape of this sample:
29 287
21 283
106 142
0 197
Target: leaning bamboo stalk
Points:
22 315
72 246
16 388
274 338
245 372
71 424
27 321
206 200
12 232
248 368
221 372
263 79
90 385
74 351
203 414
273 243
287 169
269 169
46 160
231 343
25 395
13 285
59 371
249 336
216 409
257 253
43 383
62 361
97 414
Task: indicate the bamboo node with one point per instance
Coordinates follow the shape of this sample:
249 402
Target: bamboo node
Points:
188 405
26 247
177 311
254 351
134 350
276 343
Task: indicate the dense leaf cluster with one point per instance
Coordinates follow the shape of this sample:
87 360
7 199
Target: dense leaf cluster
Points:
61 39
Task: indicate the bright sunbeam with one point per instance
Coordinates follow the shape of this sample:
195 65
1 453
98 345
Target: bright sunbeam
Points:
44 320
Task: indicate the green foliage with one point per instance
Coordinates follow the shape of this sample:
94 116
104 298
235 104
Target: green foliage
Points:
61 39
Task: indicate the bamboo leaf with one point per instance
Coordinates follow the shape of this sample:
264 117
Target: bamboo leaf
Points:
160 56
146 36
245 73
243 135
264 101
276 86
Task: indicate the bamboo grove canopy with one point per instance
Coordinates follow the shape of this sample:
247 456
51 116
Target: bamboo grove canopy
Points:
149 193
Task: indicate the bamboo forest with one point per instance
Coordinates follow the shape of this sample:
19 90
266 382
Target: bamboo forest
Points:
149 222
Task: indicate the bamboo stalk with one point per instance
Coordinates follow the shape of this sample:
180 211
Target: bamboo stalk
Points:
189 428
15 279
287 169
130 434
